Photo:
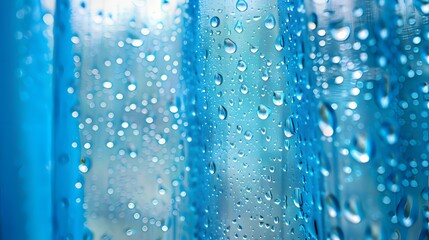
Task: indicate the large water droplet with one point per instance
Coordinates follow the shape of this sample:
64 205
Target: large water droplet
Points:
289 127
218 79
327 119
263 112
353 211
339 31
239 27
229 46
270 22
422 6
222 112
241 5
362 148
407 211
214 22
241 66
332 206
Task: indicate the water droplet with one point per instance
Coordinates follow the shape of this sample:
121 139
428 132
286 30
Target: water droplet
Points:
407 211
212 168
130 232
425 193
325 166
278 98
327 119
332 206
393 182
241 5
339 31
384 92
244 89
239 27
254 49
425 55
337 233
218 79
373 232
270 22
241 66
388 132
298 201
229 46
268 195
85 165
289 127
279 44
214 22
222 112
353 211
263 112
422 6
362 148
248 135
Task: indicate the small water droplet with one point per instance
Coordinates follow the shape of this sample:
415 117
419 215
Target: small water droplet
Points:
407 211
289 127
218 79
268 195
130 232
239 26
279 44
263 112
241 66
353 211
298 201
327 119
332 206
248 135
212 168
393 182
388 132
270 22
339 31
425 193
214 22
85 165
384 92
325 166
244 89
241 5
222 112
278 98
229 46
373 232
362 148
